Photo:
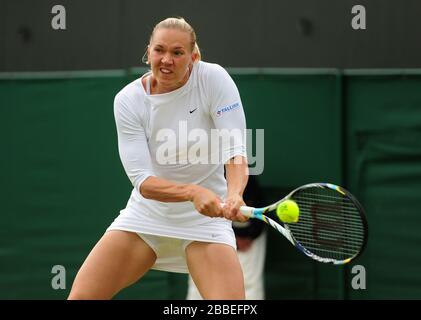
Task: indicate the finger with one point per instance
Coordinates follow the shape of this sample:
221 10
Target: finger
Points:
234 212
229 215
240 217
226 210
217 210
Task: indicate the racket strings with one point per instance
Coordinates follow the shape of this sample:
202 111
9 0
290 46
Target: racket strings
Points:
349 247
345 207
330 224
353 225
332 235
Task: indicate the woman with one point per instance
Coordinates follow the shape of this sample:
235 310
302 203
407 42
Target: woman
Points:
178 217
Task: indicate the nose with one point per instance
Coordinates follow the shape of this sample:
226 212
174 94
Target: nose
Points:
167 59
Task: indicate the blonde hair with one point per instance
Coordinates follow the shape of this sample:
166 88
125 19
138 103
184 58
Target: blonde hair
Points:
182 25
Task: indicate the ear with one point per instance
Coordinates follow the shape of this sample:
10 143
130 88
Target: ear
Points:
194 56
147 54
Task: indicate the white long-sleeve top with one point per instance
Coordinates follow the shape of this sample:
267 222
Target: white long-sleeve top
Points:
172 136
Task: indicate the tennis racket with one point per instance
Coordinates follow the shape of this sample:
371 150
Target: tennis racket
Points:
332 227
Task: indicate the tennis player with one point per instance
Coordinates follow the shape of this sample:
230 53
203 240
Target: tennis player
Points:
174 220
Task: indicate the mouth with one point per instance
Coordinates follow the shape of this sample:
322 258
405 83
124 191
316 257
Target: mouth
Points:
165 70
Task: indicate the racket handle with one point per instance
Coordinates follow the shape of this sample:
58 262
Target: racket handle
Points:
245 210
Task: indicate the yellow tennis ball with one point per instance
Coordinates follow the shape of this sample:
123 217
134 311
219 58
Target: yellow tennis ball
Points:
288 211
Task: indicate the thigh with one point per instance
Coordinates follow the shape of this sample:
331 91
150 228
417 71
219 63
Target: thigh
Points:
216 270
119 259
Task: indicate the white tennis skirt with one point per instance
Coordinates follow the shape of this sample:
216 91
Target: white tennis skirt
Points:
170 240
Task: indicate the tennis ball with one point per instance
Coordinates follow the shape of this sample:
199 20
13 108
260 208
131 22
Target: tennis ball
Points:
288 211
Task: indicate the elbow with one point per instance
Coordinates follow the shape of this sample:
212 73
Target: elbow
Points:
144 193
144 188
147 188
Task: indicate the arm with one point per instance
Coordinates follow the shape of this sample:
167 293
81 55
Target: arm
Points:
132 142
236 172
227 113
237 175
204 200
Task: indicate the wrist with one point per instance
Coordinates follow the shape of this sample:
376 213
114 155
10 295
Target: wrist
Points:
234 193
191 190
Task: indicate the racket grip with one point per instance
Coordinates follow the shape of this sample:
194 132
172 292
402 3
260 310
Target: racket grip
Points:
245 210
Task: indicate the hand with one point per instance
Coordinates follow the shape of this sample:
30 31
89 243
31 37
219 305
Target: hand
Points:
231 209
206 202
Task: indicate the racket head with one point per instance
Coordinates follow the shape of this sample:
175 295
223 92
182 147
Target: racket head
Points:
332 225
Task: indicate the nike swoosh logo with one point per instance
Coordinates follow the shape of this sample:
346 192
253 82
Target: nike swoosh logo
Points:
191 111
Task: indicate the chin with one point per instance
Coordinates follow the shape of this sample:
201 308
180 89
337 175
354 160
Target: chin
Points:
168 78
165 80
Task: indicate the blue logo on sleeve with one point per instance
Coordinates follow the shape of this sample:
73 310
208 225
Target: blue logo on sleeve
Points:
225 109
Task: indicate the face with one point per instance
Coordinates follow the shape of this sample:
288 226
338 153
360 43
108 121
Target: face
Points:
170 56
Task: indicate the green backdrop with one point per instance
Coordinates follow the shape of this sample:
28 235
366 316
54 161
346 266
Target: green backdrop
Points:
62 182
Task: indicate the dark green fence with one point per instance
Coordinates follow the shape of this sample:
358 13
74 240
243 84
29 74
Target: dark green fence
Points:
62 183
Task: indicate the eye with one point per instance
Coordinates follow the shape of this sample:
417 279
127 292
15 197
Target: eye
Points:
178 53
157 49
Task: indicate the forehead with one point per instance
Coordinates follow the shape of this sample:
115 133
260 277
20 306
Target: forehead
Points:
171 38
